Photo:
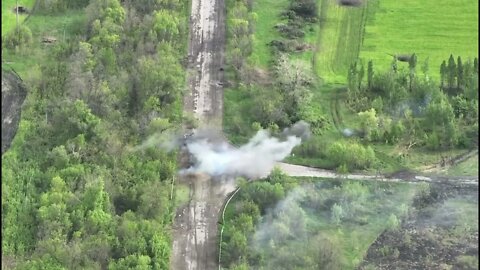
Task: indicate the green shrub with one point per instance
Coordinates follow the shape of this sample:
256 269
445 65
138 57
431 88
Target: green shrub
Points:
18 37
353 155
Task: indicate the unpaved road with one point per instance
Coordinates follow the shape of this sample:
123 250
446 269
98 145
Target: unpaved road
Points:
296 170
205 54
195 226
195 242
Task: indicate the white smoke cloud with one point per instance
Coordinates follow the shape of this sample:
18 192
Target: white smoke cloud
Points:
253 160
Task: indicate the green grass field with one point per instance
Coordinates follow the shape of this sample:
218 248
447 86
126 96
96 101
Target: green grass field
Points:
63 26
469 167
268 15
9 16
430 29
433 29
338 41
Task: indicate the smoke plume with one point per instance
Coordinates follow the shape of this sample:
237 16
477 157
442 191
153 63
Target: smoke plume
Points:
253 160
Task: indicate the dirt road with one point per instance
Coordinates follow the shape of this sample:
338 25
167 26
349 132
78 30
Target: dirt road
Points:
195 242
206 46
296 170
195 226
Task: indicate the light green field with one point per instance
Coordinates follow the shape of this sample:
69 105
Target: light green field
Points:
268 15
433 29
338 40
63 26
469 167
8 14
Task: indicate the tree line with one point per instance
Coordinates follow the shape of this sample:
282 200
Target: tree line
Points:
75 195
402 105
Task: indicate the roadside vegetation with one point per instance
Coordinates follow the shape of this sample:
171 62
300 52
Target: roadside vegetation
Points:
304 223
440 232
101 76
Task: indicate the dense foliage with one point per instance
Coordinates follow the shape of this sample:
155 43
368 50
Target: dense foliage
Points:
284 223
403 106
75 192
274 98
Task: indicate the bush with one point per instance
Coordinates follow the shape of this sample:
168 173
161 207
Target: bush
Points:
304 8
18 37
353 155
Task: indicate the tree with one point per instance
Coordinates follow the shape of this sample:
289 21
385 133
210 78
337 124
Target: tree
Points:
166 24
236 247
368 122
161 251
425 68
361 74
475 65
412 63
460 74
451 72
133 261
293 79
440 117
443 73
370 74
53 210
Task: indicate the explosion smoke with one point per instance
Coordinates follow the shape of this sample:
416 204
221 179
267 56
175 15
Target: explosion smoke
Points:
253 160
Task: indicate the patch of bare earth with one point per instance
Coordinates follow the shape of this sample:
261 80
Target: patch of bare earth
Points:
432 237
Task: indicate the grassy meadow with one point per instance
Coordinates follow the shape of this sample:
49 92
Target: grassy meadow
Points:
468 167
268 15
430 29
8 13
338 41
62 27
